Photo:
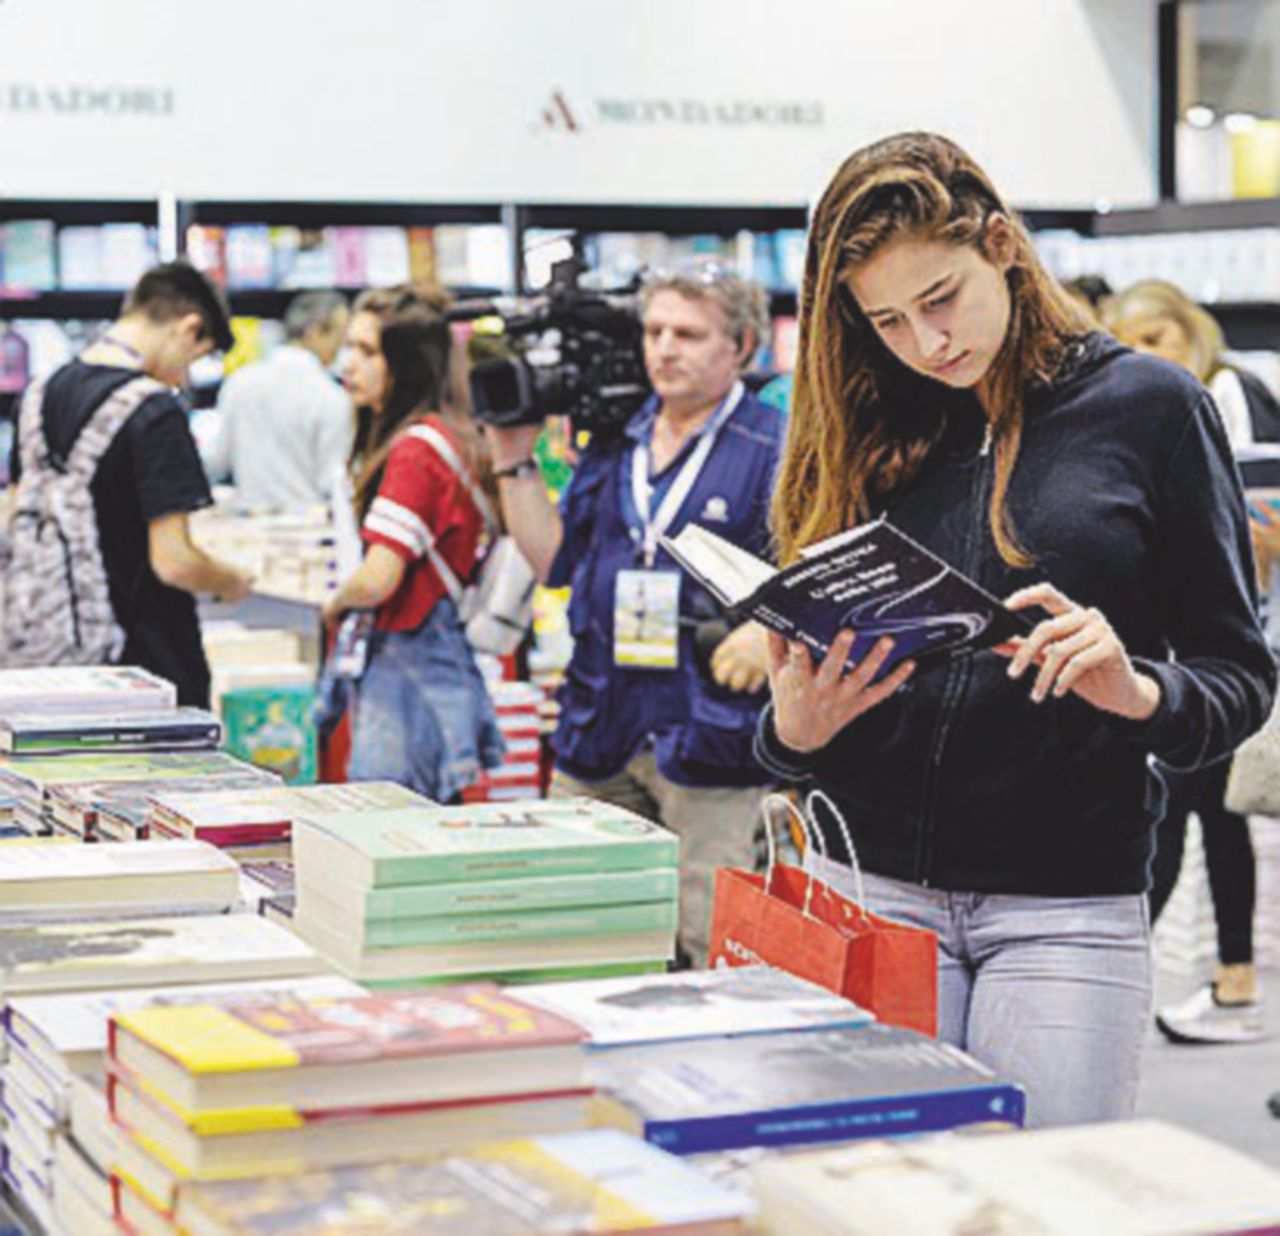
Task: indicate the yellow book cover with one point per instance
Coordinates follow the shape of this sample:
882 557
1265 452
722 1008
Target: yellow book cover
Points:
206 1039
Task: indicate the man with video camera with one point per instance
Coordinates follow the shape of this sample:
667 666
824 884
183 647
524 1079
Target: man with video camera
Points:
660 701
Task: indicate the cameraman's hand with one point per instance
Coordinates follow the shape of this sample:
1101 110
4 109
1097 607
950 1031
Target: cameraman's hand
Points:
741 660
511 445
811 704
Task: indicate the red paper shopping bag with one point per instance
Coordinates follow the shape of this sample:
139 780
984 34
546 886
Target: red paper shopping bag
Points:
788 919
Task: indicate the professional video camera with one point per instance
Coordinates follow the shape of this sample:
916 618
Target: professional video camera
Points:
570 352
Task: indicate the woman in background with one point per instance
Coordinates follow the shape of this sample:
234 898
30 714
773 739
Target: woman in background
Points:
423 716
1158 318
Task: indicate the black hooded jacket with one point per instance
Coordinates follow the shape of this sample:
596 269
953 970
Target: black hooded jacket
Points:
1126 495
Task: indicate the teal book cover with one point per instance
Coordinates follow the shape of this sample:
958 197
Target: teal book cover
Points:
271 727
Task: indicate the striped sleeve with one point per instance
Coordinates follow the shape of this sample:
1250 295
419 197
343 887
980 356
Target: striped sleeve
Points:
417 501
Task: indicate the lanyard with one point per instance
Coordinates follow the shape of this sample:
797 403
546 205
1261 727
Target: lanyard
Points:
655 524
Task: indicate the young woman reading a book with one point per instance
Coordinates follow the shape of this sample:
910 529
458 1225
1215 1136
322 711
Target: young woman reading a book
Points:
423 716
1003 799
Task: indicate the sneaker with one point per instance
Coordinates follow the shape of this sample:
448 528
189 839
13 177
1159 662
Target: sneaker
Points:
1202 1019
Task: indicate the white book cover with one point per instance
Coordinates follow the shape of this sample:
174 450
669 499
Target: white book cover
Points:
73 1025
108 954
76 688
55 864
649 1008
1134 1178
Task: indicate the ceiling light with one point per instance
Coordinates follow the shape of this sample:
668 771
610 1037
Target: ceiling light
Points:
1240 122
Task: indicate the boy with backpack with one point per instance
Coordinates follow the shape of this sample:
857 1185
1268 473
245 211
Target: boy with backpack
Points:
97 562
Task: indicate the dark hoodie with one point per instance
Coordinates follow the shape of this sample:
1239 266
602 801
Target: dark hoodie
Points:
150 470
1126 495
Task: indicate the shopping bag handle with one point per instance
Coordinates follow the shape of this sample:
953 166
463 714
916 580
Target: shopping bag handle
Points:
814 798
766 806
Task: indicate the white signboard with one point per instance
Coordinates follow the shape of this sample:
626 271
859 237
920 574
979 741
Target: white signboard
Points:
612 101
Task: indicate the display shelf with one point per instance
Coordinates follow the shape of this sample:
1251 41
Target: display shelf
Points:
272 302
1262 212
336 214
60 305
81 212
675 220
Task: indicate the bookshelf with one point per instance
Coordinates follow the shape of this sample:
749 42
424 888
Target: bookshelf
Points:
767 240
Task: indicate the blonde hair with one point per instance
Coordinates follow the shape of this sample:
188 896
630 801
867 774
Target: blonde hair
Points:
862 423
1156 298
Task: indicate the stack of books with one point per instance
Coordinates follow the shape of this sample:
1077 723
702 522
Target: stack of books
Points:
48 881
111 690
36 732
237 817
593 1181
65 793
695 1004
797 1087
111 954
1131 1178
558 889
59 1128
230 1091
519 777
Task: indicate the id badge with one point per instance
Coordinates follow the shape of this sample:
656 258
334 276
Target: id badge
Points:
646 619
350 656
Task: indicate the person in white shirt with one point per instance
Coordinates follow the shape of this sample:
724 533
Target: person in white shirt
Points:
286 424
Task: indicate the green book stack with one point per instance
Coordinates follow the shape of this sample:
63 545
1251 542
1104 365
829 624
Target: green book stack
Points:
569 887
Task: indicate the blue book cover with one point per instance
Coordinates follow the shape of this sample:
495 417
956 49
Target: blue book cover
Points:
874 580
797 1088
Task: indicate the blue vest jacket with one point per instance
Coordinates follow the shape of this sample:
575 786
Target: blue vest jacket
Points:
701 733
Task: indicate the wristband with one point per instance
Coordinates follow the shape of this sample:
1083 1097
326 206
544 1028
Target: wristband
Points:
526 467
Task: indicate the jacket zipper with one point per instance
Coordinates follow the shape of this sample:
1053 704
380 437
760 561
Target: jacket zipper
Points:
957 675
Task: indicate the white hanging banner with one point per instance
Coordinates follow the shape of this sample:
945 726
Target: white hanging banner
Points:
719 102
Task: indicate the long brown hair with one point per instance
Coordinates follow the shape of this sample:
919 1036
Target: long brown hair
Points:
862 423
423 376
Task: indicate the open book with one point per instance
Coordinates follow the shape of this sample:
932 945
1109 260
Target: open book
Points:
873 580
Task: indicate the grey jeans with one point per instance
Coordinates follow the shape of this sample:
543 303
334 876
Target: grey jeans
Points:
1053 993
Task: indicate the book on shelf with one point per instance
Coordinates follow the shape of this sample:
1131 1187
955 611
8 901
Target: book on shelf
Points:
795 1087
116 690
163 1148
1127 1178
30 261
695 1004
257 1060
266 879
90 1119
44 880
441 845
268 812
517 958
405 902
592 1181
140 952
874 580
491 926
118 810
35 732
66 1033
81 1191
